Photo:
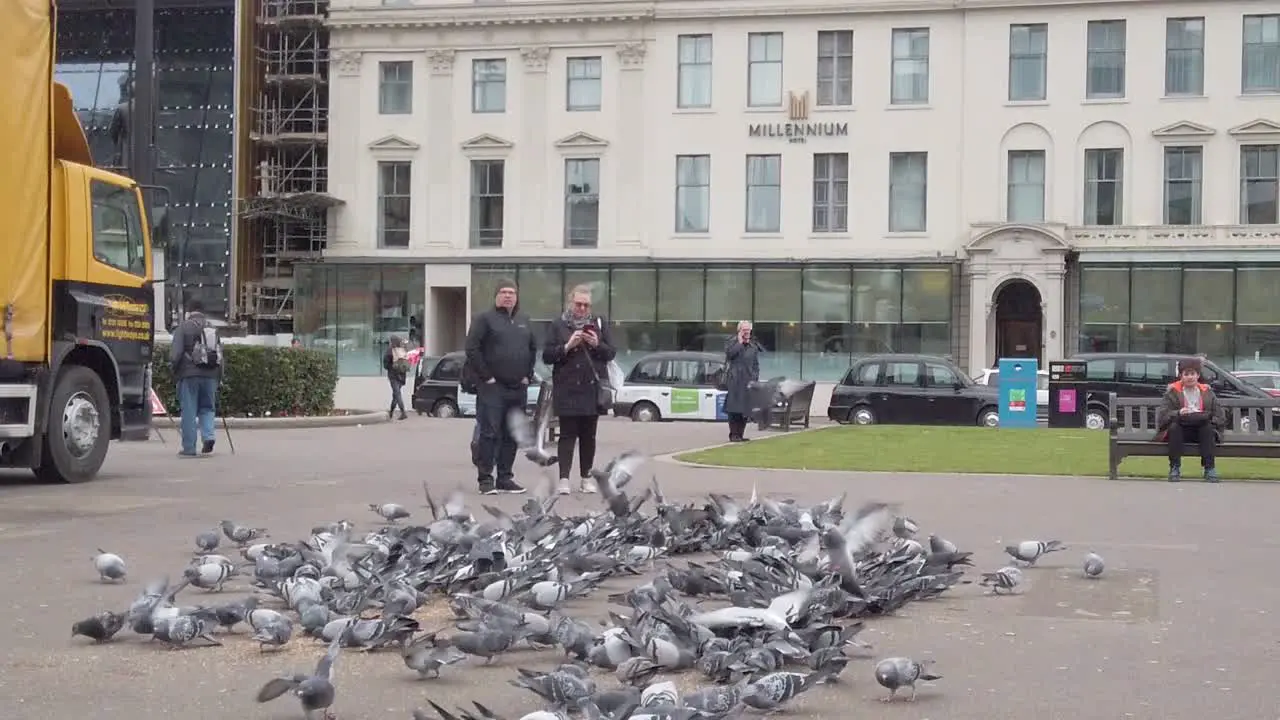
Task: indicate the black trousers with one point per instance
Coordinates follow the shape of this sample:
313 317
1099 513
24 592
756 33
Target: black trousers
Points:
1198 433
582 430
495 449
737 425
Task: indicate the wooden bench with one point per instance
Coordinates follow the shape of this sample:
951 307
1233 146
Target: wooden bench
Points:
792 411
1252 429
543 405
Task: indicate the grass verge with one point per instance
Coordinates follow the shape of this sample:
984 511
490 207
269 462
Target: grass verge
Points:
926 449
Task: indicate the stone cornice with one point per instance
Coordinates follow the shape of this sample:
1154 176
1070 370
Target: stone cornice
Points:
437 14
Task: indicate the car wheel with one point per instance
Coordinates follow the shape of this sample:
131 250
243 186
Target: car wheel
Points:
862 415
989 417
444 409
645 412
1095 420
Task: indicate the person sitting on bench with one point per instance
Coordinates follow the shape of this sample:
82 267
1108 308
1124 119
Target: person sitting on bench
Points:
1190 414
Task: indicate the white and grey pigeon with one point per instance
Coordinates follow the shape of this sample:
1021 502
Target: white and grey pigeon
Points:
1006 579
390 512
530 436
110 566
1093 565
315 691
1029 551
896 673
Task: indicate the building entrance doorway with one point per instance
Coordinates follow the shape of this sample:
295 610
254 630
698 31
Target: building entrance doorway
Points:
1019 321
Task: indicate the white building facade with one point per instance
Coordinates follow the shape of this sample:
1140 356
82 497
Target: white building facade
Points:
976 178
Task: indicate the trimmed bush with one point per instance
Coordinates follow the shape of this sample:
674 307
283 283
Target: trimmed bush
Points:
257 380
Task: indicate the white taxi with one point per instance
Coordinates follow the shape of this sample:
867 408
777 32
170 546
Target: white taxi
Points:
679 385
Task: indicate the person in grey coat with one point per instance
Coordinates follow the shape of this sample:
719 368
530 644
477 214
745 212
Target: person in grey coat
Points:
742 356
197 384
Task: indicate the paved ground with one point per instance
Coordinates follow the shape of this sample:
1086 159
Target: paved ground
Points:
1182 627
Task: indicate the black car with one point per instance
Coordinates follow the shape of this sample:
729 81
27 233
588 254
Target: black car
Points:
911 390
1147 375
436 388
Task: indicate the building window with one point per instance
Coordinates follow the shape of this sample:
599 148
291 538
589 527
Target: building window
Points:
394 204
693 193
830 192
395 87
1259 184
764 69
582 202
488 86
910 66
1184 56
835 67
764 193
1183 177
1104 186
1261 70
908 191
694 73
1028 62
487 191
1106 63
583 84
1026 186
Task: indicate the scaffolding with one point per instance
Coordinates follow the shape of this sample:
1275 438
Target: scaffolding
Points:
286 211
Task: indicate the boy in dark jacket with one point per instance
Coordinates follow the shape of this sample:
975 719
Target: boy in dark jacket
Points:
1190 414
396 362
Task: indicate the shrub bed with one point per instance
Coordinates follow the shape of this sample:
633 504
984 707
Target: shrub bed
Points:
259 380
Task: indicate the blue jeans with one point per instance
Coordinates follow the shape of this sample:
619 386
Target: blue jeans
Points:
198 397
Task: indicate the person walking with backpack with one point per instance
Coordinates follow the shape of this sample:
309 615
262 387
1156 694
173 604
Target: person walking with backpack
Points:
396 362
196 360
578 349
501 352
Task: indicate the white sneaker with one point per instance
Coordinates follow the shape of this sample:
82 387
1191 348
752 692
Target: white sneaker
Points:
562 487
587 486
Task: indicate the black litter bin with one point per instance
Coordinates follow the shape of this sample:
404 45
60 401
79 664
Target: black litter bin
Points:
763 395
1066 393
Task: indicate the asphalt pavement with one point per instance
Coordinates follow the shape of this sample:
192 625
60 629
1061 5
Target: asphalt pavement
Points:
1179 627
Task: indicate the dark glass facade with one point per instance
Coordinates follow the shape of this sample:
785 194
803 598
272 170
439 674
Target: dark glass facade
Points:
194 103
353 310
1231 314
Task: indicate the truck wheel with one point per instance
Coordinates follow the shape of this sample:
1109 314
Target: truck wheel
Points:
79 428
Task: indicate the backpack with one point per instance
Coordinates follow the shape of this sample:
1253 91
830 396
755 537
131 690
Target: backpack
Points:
206 351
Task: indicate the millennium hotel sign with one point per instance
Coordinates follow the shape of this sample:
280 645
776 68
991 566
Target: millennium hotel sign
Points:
798 129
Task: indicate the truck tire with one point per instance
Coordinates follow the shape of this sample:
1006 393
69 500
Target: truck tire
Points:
78 431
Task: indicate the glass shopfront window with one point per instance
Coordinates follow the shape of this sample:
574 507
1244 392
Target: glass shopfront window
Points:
926 311
730 295
353 311
824 333
776 320
541 289
1231 315
633 307
681 292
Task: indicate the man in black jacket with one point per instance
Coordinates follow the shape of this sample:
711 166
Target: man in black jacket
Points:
501 351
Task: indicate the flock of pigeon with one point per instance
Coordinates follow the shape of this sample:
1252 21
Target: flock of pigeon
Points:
793 586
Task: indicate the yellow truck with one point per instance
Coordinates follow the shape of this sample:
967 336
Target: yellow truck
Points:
76 292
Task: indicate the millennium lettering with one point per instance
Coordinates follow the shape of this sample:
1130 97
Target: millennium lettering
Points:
798 130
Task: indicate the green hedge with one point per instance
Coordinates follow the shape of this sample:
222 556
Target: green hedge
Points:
258 380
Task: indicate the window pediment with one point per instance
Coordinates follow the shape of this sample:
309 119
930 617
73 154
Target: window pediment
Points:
487 143
1184 130
1256 129
393 143
582 141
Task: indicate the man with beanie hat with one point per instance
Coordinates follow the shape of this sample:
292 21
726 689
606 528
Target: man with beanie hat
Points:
1190 414
501 351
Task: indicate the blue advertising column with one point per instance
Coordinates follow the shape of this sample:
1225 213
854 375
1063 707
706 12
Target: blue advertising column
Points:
1018 392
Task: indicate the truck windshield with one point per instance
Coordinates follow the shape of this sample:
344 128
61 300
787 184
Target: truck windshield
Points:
118 239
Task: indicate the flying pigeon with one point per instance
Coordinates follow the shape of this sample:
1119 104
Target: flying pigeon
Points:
315 691
531 436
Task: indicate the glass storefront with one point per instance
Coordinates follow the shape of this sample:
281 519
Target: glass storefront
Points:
353 310
1229 314
810 319
193 114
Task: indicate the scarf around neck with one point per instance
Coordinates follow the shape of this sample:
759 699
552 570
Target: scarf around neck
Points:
577 323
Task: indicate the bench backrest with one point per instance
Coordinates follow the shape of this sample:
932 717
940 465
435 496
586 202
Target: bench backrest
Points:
1247 419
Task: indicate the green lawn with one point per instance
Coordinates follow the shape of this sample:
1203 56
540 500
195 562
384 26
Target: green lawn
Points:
900 448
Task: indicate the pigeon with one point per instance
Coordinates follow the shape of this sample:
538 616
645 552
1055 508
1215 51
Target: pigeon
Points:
100 628
182 630
390 512
770 692
426 657
1029 551
1093 565
637 671
208 541
315 691
1005 579
486 644
209 576
530 437
270 628
110 566
898 672
563 687
241 535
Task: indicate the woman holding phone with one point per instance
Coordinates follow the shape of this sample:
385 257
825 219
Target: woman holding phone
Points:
578 349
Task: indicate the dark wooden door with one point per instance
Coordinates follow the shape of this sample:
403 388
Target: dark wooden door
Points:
1019 339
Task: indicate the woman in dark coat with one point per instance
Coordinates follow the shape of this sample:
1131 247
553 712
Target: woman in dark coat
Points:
395 362
742 356
578 348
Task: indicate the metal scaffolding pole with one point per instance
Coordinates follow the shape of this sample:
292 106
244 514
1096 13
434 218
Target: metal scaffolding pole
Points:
142 160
